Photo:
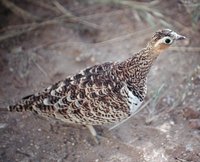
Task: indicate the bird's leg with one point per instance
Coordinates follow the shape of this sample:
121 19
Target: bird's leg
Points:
93 132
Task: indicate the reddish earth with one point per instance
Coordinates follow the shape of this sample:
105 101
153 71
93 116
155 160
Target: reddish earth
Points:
166 130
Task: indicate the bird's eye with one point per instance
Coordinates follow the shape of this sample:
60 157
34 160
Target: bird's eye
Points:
168 41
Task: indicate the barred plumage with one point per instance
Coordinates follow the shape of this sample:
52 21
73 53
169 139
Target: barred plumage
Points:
100 94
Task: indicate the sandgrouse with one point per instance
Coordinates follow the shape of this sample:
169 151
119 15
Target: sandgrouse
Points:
105 93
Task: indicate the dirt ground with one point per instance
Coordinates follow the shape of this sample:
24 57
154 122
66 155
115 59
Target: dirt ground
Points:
36 51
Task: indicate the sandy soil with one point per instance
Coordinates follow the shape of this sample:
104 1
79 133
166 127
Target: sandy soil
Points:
167 130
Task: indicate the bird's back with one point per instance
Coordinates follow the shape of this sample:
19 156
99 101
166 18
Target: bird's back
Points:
92 97
103 93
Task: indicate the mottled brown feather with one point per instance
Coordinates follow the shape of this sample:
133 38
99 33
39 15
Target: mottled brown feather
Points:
100 94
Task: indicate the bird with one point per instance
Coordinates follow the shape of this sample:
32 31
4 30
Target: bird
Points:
105 93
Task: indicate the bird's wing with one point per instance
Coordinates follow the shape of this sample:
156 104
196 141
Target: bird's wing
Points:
91 88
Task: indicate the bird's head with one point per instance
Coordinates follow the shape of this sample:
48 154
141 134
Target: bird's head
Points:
163 39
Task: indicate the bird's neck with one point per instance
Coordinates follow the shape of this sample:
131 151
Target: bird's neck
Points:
136 68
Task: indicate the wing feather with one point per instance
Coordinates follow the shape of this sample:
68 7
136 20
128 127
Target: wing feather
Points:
90 97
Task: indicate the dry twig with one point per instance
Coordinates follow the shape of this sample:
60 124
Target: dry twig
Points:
19 11
74 18
44 5
31 27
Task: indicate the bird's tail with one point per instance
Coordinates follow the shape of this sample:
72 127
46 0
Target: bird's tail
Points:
24 105
27 103
34 102
19 107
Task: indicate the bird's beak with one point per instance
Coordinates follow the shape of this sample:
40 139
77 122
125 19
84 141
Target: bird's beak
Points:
177 36
180 37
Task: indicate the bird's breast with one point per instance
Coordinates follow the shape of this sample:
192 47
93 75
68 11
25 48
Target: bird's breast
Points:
134 102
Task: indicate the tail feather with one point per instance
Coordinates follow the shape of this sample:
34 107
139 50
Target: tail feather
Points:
34 102
19 107
27 103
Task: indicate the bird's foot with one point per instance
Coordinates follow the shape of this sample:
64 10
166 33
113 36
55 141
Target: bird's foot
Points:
95 136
